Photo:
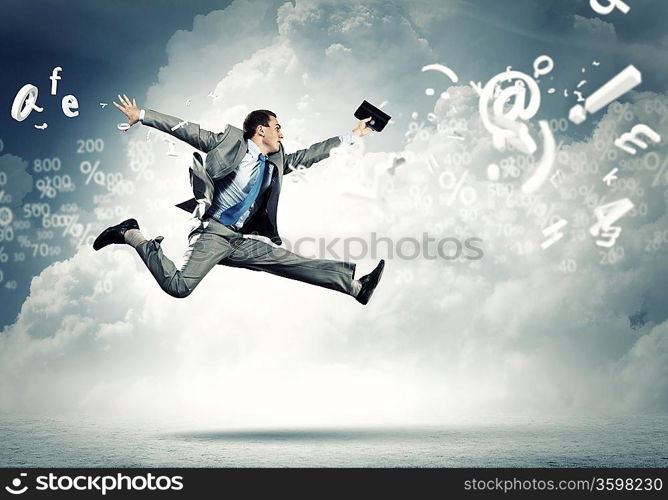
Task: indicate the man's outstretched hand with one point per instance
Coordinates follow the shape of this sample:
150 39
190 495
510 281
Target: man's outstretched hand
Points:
129 109
361 130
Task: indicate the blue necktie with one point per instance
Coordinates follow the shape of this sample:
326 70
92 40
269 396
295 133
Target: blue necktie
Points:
233 213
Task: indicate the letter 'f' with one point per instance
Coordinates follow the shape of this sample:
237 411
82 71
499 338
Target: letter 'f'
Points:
54 79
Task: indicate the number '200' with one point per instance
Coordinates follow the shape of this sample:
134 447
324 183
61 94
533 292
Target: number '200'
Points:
90 146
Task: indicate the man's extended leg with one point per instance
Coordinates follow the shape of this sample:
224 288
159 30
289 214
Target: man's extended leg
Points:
257 255
205 251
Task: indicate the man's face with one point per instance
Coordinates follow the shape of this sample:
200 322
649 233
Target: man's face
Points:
272 135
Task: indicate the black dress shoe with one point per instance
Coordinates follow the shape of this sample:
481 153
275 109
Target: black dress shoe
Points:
114 234
369 283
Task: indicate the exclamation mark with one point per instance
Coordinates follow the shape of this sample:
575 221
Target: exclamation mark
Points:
613 89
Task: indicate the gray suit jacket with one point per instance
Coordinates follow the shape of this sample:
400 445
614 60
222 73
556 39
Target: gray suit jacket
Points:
224 153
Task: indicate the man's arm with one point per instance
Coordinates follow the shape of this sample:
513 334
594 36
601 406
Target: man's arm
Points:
191 133
320 150
309 156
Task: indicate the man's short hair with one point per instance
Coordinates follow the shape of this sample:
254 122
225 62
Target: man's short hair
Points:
255 118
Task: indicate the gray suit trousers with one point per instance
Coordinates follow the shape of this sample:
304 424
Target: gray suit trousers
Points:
213 243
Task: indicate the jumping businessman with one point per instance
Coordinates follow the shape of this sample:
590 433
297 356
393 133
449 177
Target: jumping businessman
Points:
236 193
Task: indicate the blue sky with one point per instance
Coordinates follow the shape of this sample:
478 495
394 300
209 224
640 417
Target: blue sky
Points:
576 327
103 48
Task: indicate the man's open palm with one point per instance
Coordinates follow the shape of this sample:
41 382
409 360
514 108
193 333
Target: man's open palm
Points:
128 108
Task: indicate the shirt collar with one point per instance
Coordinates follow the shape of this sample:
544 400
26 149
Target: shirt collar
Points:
253 148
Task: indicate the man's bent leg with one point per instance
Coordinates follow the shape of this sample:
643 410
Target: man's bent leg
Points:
204 252
254 254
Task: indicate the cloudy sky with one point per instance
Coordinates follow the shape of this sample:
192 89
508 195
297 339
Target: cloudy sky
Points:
576 328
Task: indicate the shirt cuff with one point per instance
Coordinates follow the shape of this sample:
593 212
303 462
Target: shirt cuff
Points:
347 138
141 115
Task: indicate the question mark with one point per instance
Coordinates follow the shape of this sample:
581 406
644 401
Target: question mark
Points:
542 65
442 69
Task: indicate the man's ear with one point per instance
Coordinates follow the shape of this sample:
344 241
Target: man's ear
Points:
259 131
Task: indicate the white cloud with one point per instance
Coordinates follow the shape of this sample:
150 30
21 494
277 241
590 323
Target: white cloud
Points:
16 182
593 25
643 374
336 49
516 332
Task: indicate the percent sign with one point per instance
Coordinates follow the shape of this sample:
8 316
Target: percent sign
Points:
91 171
661 176
509 169
610 153
421 198
449 182
416 131
50 186
45 188
3 255
635 188
141 169
76 230
591 199
72 227
623 110
548 218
